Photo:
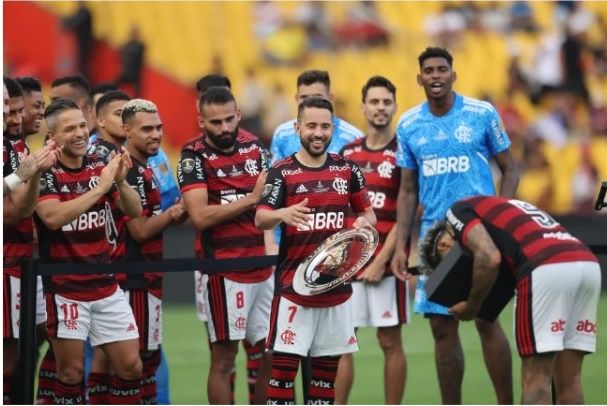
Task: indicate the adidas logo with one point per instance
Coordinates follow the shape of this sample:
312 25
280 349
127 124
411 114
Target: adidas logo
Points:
221 173
65 189
352 340
131 327
386 315
301 189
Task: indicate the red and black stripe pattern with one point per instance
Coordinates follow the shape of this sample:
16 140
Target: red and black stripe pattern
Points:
382 178
526 236
84 240
18 239
219 307
227 177
330 189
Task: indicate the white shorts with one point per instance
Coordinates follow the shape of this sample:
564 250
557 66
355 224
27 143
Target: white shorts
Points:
317 331
238 310
200 290
12 308
147 310
383 304
562 300
106 320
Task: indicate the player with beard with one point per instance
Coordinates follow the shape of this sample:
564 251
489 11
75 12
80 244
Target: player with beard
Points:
142 240
379 299
303 192
34 104
71 214
221 178
254 352
445 145
20 192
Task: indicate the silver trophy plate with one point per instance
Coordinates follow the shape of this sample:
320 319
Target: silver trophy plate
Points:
335 261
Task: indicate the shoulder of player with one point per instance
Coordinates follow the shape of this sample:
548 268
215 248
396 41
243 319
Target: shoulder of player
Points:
194 144
477 106
345 128
283 163
349 148
409 117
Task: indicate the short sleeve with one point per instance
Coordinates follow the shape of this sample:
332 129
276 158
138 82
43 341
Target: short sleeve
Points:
273 195
404 156
461 217
190 173
497 138
359 197
48 186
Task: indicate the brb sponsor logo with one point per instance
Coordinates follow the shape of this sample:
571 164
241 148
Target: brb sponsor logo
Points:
324 221
445 165
87 221
586 326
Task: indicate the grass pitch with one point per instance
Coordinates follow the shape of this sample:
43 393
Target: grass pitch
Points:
185 343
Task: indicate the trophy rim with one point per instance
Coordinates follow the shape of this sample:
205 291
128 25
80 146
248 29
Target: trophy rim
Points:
301 283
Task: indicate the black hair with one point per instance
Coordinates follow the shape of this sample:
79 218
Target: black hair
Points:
110 97
103 88
216 95
435 52
29 84
378 81
318 102
428 257
214 79
77 81
310 77
13 87
56 107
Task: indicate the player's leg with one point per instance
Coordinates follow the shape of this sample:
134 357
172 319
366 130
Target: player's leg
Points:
9 362
498 359
568 377
69 354
223 357
99 379
537 378
395 363
449 357
254 354
114 330
333 336
292 327
344 379
10 331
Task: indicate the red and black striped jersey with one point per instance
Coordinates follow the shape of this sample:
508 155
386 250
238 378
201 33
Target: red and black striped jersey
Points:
526 236
329 190
383 181
18 238
115 225
227 177
141 178
82 240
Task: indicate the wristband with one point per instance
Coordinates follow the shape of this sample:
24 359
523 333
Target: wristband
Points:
12 181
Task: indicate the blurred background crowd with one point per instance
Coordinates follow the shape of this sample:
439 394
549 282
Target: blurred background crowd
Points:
542 64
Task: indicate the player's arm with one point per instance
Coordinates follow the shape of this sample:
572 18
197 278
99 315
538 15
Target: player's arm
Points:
406 207
366 217
205 215
510 173
270 242
375 270
128 200
485 268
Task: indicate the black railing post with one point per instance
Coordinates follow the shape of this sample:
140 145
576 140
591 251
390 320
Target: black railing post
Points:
26 367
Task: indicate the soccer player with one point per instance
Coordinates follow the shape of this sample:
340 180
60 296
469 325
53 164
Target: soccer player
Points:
558 283
221 177
141 240
308 194
34 104
78 89
285 140
71 217
445 145
110 136
253 351
378 298
21 187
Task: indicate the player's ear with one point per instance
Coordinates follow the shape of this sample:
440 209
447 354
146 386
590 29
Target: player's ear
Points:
454 76
200 122
419 80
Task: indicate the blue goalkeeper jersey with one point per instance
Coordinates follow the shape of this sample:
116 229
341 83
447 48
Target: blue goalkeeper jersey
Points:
285 140
451 153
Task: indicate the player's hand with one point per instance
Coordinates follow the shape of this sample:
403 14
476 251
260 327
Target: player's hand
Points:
373 273
463 311
361 222
178 212
297 215
259 184
108 173
399 265
124 165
